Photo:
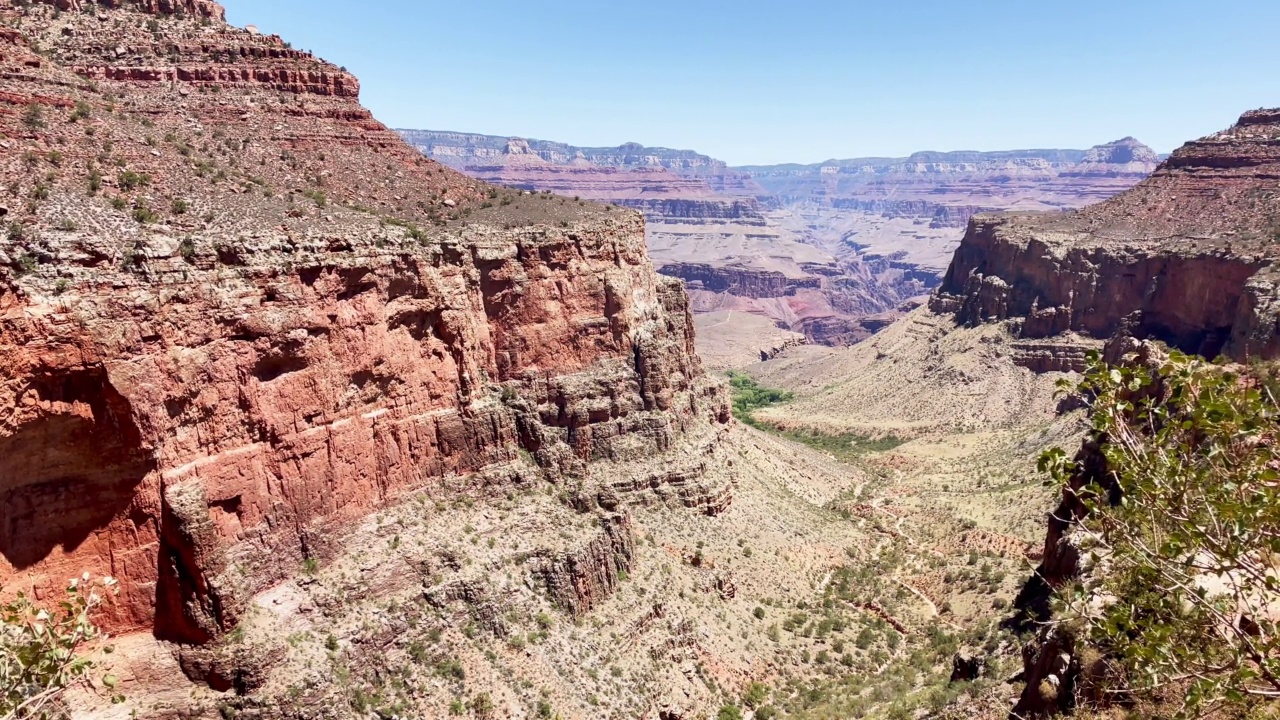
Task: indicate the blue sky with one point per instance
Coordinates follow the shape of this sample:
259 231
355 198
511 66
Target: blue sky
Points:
771 81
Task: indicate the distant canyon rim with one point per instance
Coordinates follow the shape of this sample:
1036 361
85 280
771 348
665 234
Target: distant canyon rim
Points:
830 252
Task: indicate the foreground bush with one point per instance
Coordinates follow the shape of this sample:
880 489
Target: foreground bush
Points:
40 649
1182 534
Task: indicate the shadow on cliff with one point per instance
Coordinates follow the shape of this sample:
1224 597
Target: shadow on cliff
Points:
69 470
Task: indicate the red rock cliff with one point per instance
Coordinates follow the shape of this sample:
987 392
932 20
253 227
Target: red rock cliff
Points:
1187 256
238 313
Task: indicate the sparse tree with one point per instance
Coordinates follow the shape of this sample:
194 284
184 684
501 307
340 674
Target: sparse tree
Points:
1182 532
41 649
33 118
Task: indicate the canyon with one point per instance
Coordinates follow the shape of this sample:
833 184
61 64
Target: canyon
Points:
1183 260
376 423
830 250
353 431
239 316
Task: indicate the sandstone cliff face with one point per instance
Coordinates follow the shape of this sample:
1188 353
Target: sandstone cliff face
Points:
1185 257
270 316
744 283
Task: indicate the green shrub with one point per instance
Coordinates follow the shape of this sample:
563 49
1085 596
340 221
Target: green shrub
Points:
40 649
130 180
755 694
316 196
1187 515
33 118
27 263
729 712
748 396
144 214
481 704
450 668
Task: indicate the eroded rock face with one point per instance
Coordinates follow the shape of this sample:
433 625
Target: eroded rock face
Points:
198 8
276 317
1186 256
708 225
756 284
233 441
579 579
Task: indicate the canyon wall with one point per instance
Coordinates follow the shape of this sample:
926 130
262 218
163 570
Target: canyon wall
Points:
704 220
237 314
1056 178
1186 257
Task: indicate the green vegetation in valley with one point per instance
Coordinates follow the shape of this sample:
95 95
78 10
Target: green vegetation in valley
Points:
749 396
844 446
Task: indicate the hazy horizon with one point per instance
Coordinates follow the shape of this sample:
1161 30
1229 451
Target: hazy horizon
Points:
754 83
817 162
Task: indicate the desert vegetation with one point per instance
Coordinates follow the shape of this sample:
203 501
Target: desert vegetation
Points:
46 649
749 396
1181 532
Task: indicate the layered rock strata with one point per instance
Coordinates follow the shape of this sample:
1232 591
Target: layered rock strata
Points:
941 179
1186 257
707 225
580 579
238 314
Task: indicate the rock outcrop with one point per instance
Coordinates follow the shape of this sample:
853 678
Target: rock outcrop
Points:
741 282
580 579
1186 256
237 314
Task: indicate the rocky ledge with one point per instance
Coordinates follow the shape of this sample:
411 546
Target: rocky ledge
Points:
1188 256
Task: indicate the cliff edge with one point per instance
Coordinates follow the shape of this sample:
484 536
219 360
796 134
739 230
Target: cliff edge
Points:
1187 256
237 313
